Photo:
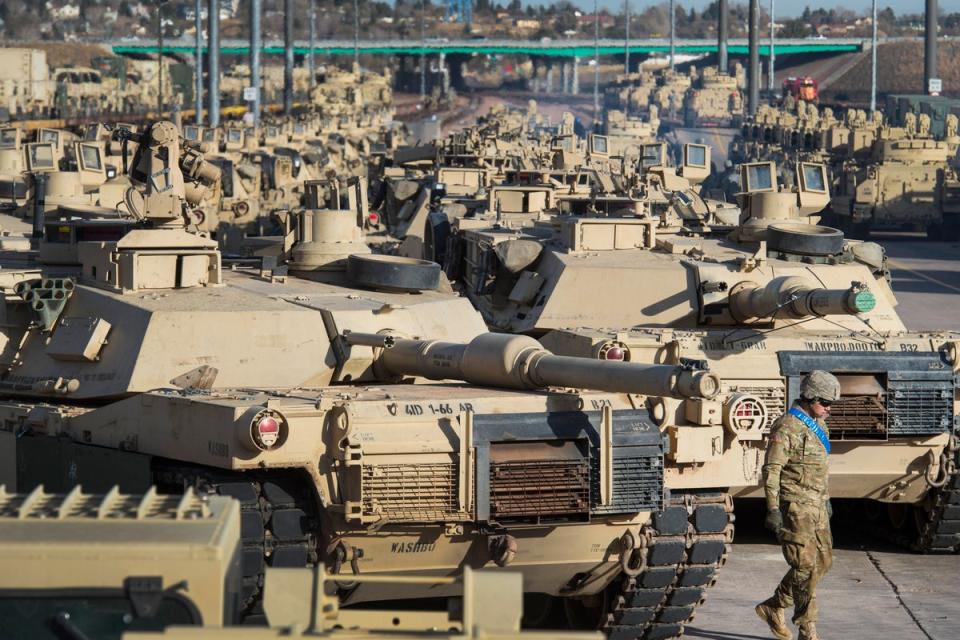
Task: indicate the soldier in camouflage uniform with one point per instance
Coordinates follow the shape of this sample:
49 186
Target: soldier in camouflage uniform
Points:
798 505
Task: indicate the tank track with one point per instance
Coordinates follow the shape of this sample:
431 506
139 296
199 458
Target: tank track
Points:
932 526
676 561
279 521
940 532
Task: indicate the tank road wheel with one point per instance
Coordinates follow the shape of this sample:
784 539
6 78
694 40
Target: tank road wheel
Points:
899 516
279 521
539 611
394 273
589 612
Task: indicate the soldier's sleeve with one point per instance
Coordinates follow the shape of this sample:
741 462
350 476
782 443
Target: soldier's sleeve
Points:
778 454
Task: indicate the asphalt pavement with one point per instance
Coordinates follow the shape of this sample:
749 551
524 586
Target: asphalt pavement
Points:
874 590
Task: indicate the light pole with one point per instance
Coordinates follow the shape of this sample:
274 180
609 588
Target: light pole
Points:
198 68
626 36
873 60
160 4
312 64
596 61
356 34
773 55
423 51
256 13
673 29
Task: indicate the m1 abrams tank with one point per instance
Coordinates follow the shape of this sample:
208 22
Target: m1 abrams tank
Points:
772 300
135 358
141 566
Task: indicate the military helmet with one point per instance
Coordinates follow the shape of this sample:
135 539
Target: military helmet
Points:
820 384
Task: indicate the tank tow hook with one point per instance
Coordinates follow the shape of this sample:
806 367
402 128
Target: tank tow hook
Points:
633 552
947 466
503 549
340 553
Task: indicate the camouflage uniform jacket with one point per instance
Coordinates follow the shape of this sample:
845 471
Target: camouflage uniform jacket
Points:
796 464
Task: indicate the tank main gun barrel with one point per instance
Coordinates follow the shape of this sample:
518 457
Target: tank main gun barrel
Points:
793 297
520 362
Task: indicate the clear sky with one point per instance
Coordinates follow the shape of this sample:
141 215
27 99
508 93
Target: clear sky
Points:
782 7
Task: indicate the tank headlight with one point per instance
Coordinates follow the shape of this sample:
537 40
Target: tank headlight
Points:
614 351
263 429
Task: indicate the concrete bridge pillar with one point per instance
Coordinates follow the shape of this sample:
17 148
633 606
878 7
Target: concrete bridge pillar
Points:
444 73
549 77
565 69
575 85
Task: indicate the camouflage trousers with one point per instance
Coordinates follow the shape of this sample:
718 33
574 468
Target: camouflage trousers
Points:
808 548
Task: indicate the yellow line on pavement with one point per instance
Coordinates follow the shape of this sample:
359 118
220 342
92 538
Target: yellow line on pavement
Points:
900 265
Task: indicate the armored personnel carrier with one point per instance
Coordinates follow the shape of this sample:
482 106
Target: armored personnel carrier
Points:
715 100
776 298
302 388
908 181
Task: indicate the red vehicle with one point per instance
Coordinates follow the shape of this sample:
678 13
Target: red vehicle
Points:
804 88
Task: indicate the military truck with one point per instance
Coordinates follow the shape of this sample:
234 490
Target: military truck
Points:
775 299
137 359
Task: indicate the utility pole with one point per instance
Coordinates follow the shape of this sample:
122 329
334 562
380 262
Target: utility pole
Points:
198 63
256 45
873 61
626 36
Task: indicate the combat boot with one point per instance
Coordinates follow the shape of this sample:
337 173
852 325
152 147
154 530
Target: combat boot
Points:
776 621
808 631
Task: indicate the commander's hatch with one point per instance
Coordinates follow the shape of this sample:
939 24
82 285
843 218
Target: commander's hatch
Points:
696 163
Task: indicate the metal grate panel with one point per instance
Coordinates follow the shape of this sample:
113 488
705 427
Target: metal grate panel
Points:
411 492
637 484
919 407
858 416
535 479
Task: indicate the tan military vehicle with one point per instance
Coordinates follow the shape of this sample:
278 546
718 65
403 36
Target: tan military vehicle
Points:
78 564
715 100
303 388
908 182
778 298
25 86
671 91
168 566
